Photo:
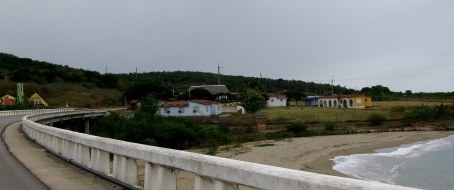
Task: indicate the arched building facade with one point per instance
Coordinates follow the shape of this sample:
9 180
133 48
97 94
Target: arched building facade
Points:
351 101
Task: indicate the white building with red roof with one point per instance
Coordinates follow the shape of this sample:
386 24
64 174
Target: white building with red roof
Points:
187 108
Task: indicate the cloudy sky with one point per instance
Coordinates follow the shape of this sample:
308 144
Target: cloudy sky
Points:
402 44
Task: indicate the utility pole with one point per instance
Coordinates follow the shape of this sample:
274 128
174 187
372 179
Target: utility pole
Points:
136 72
106 70
332 84
219 74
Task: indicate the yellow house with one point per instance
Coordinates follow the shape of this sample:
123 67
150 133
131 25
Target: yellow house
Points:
359 100
353 101
37 100
8 100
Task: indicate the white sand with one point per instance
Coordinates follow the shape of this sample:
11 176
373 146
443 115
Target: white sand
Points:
313 154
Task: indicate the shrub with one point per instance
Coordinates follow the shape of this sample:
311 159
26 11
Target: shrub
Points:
299 130
421 113
330 126
398 109
164 132
376 119
296 128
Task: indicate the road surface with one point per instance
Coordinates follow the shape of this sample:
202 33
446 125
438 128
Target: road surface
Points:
13 175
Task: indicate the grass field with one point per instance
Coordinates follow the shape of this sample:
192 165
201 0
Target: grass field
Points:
390 104
310 114
295 114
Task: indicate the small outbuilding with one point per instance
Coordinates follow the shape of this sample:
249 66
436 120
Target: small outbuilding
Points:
37 101
8 100
311 101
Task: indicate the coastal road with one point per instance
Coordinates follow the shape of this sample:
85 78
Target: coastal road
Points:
13 175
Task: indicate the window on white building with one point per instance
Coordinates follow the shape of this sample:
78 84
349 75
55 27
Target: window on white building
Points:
359 101
195 109
181 110
167 110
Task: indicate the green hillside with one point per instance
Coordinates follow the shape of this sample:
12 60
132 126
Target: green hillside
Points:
60 85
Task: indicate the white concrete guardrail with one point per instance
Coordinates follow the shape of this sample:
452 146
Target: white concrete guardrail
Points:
161 164
33 111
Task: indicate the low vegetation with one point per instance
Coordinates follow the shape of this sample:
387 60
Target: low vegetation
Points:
376 119
164 132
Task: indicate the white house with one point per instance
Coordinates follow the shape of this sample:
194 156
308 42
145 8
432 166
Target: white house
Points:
276 100
189 108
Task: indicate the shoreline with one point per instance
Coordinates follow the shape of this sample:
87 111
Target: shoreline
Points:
314 154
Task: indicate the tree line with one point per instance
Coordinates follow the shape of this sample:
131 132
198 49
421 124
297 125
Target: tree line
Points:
172 85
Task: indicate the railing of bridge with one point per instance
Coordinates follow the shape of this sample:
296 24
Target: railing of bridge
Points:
161 164
34 111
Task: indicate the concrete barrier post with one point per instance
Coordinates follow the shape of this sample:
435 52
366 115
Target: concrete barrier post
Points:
85 155
61 146
39 138
104 162
77 153
71 154
93 158
66 148
55 144
47 144
129 171
158 177
149 176
32 134
122 171
117 166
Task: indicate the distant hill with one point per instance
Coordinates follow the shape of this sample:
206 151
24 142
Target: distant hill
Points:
57 81
28 70
181 80
59 85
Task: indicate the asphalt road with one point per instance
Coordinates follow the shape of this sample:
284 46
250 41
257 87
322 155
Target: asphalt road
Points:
13 175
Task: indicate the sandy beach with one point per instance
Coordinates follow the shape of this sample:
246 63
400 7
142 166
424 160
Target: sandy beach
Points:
313 154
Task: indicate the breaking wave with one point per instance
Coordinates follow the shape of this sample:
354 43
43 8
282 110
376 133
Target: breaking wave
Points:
384 166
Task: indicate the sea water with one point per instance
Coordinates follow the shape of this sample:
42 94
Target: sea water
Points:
424 164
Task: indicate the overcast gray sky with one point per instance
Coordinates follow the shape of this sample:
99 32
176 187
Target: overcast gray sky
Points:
402 44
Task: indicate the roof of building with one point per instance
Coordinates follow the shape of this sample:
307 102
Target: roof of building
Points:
175 103
213 89
275 95
343 96
204 102
185 103
311 97
8 96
